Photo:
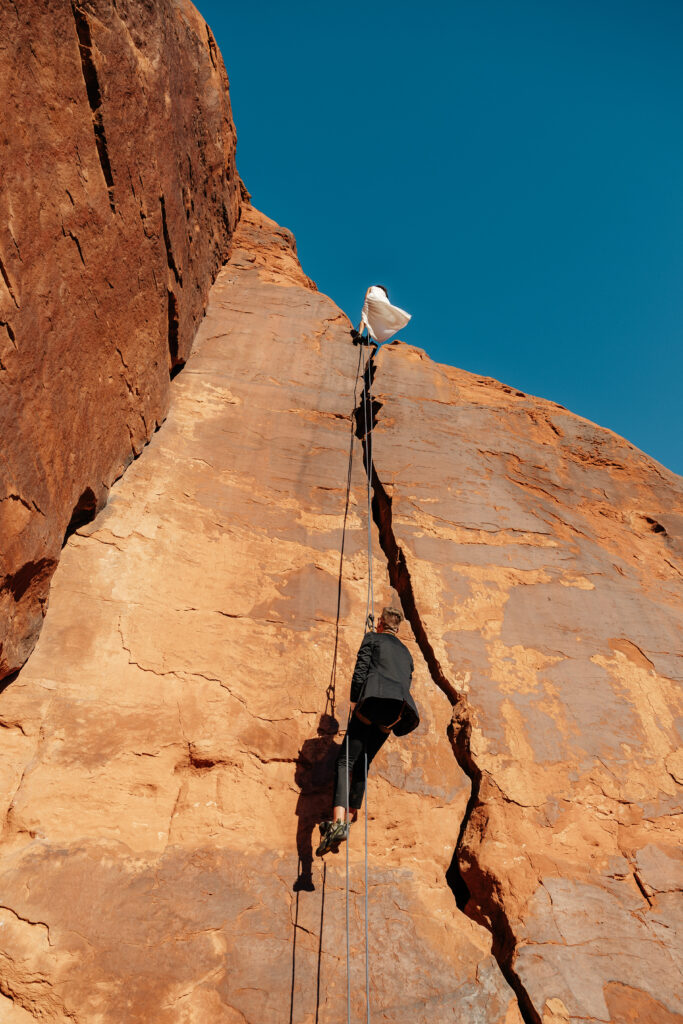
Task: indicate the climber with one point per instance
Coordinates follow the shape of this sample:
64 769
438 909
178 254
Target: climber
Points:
381 703
379 316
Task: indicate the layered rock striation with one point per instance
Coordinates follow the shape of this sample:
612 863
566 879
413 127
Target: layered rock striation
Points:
119 198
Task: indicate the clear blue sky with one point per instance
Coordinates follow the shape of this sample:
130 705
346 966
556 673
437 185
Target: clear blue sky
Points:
511 171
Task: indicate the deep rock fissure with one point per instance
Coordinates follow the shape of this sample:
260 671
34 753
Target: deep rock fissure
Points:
173 335
92 88
485 909
170 258
10 332
84 512
213 49
8 286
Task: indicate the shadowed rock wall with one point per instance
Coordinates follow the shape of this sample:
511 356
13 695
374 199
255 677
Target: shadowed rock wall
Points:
119 197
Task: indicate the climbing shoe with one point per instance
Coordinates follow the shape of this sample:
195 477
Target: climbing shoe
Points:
331 834
324 827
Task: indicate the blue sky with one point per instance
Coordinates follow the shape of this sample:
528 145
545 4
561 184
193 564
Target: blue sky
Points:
511 171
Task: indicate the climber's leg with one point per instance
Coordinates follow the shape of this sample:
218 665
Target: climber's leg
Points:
350 752
373 740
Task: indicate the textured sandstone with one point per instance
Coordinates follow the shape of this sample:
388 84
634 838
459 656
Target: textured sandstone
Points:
169 745
119 196
544 558
156 855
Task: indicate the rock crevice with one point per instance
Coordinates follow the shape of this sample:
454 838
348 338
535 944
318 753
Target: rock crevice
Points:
94 92
488 912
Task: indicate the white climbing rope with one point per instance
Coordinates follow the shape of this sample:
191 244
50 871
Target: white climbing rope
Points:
367 946
348 838
366 397
370 621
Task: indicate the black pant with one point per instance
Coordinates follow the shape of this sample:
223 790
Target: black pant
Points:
360 739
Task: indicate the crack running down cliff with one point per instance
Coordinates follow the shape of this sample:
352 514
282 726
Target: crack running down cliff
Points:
479 899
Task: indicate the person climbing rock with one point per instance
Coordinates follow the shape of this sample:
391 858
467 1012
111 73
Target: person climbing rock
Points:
379 316
381 703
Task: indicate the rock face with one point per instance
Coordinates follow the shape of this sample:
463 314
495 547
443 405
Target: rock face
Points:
168 749
539 558
119 197
169 746
181 733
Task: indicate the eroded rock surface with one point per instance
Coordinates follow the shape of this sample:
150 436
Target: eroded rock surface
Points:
170 743
168 749
542 559
119 197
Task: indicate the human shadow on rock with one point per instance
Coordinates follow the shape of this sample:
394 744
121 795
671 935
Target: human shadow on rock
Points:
314 777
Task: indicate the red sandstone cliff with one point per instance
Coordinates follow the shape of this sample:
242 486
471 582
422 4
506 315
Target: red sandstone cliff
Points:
119 197
168 747
168 754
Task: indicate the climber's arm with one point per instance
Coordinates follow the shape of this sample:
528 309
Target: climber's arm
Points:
362 668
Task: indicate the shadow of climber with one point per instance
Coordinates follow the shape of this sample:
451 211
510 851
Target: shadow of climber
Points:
314 775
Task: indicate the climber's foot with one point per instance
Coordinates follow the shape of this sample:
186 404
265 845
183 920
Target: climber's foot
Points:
332 833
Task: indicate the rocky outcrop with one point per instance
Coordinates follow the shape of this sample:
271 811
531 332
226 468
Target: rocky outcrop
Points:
119 197
169 745
540 561
180 734
168 749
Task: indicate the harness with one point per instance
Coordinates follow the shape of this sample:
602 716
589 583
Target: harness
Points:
385 728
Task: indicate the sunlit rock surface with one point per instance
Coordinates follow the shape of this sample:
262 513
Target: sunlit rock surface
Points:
168 749
169 746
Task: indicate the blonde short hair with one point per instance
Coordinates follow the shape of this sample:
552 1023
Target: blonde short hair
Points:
392 617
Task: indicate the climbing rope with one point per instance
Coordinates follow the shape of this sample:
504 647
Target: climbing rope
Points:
367 946
331 692
348 837
370 622
367 431
369 625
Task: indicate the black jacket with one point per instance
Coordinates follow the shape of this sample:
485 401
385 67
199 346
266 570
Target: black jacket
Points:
384 669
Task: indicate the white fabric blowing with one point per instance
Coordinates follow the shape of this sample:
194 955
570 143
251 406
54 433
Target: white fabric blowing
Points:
380 317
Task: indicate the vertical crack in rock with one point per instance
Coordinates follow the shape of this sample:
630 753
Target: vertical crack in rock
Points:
487 909
213 49
84 512
10 332
92 88
8 285
173 329
170 258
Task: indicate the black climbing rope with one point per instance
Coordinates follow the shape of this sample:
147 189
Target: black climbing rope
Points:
331 692
367 429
